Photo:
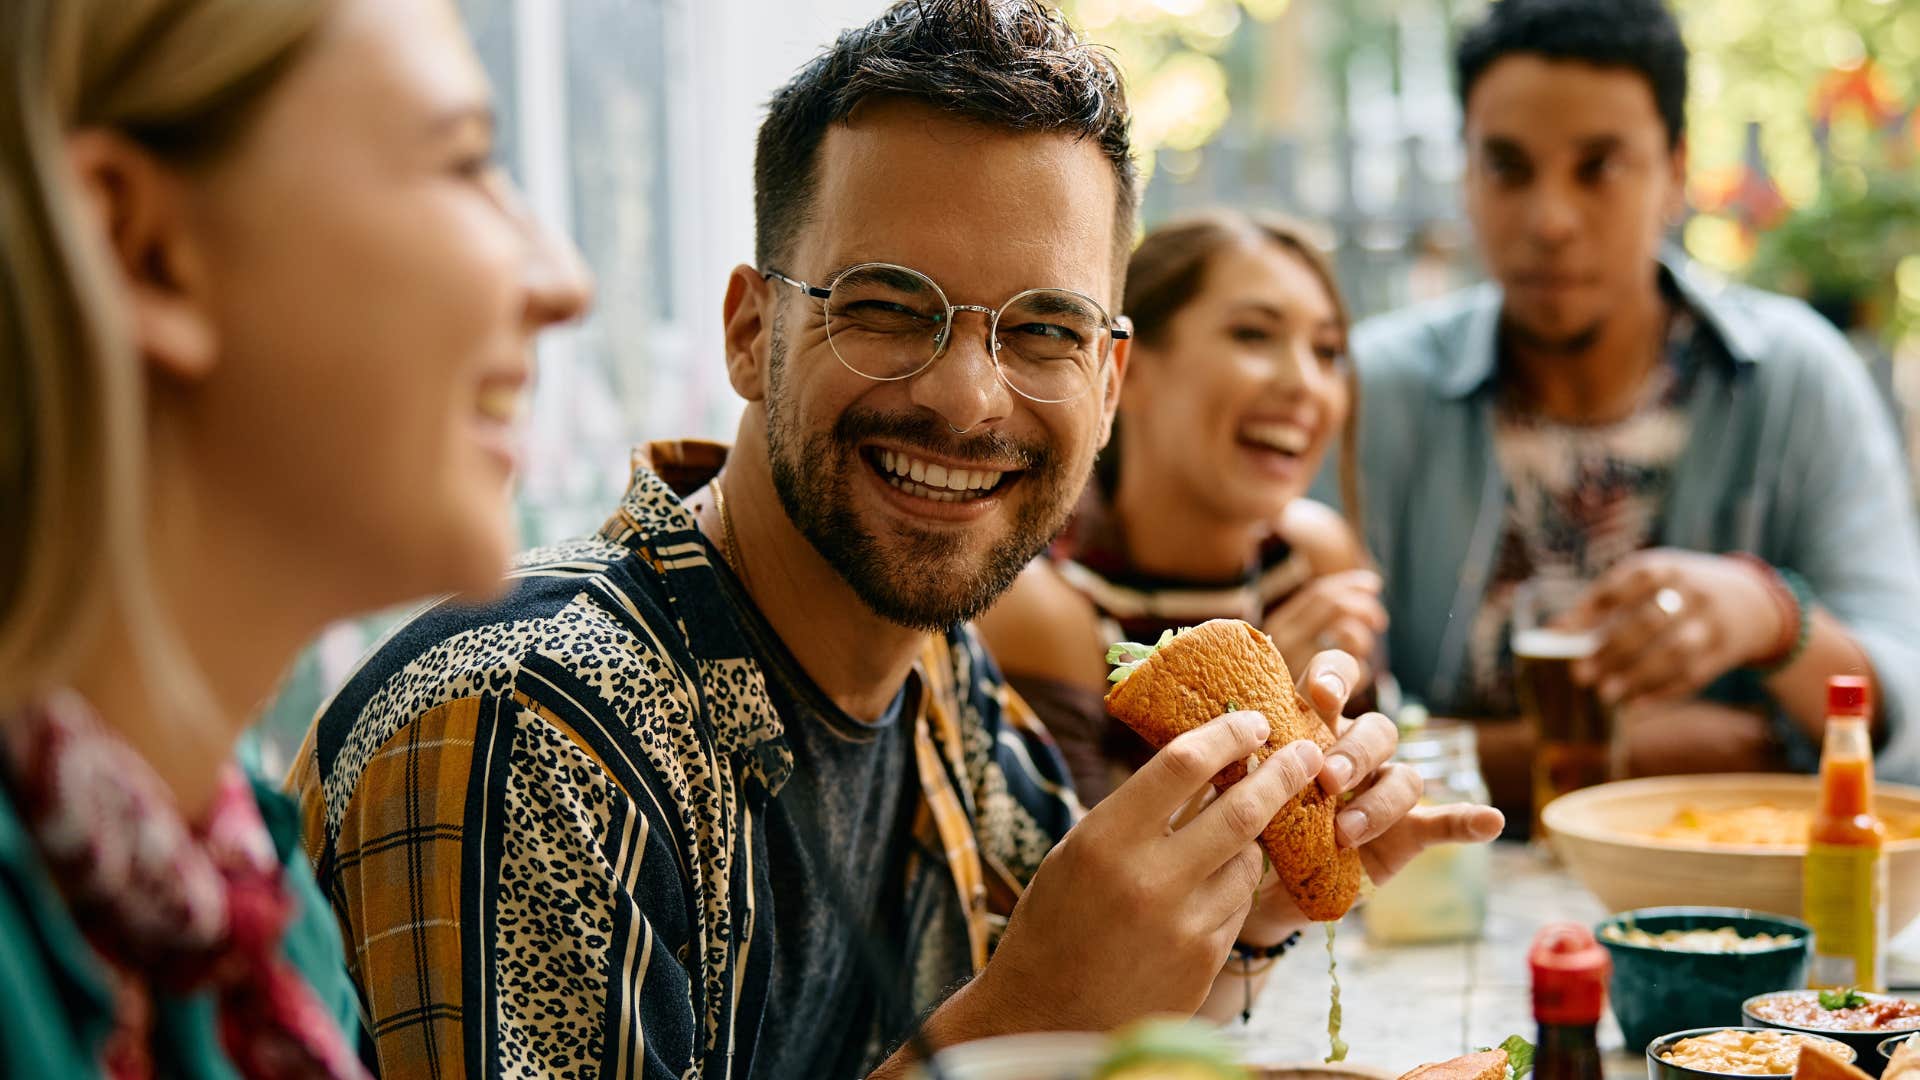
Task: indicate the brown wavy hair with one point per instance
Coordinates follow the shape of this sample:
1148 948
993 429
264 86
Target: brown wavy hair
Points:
1166 273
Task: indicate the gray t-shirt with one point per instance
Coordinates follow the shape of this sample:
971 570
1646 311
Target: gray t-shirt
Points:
837 835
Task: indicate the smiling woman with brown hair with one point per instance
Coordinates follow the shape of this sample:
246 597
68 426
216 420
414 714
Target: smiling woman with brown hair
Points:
267 313
1239 384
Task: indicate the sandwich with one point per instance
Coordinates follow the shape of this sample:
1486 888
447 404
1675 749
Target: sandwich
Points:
1225 665
1485 1065
1511 1060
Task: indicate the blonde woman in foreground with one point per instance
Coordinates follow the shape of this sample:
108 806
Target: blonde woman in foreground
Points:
267 314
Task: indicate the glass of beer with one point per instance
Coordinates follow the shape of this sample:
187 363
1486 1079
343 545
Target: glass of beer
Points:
1574 745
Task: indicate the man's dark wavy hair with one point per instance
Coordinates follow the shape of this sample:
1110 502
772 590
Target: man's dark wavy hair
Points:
1013 64
1638 35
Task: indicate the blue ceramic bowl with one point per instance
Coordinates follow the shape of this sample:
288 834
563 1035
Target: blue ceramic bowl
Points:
1655 990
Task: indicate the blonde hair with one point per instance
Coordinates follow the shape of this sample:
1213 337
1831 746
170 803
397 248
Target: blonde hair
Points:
181 78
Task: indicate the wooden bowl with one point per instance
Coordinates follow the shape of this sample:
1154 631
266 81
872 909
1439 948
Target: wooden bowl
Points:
1603 835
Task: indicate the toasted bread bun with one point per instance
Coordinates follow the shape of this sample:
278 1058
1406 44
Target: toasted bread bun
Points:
1485 1065
1817 1064
1227 664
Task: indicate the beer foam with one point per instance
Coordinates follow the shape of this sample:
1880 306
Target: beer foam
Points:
1540 643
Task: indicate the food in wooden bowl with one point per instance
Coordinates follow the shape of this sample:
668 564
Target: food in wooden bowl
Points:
1671 840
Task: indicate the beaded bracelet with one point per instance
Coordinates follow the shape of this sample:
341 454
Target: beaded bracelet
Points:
1247 955
1795 597
1803 601
1268 952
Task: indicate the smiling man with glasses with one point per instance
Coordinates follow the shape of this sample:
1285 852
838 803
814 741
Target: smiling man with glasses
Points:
731 789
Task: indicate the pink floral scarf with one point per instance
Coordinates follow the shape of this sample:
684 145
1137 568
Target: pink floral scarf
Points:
170 907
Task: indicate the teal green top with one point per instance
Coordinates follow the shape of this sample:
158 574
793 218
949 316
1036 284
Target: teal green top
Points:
53 988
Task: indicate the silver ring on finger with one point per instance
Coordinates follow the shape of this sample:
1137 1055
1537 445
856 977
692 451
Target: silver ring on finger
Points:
1670 602
1326 642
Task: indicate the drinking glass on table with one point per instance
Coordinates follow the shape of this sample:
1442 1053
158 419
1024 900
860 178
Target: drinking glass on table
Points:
1574 742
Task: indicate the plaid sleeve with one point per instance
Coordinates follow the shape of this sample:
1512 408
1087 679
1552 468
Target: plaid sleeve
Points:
508 909
1022 794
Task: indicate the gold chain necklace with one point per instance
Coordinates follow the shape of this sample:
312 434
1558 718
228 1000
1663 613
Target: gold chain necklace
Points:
729 547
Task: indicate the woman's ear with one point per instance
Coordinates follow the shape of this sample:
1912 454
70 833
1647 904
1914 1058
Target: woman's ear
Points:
749 332
1138 373
1113 384
138 210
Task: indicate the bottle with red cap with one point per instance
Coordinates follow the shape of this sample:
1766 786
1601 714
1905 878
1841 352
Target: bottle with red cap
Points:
1844 878
1570 972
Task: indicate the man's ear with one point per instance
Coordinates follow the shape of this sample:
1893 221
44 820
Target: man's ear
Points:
138 209
748 313
1676 207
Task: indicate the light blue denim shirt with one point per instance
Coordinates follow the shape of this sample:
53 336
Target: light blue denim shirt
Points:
1792 456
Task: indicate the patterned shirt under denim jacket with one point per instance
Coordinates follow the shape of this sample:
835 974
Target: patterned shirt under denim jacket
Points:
542 821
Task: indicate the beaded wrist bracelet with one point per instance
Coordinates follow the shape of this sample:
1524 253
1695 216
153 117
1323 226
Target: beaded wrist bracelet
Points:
1795 598
1248 955
1268 952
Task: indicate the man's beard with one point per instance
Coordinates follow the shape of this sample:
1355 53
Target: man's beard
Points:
924 580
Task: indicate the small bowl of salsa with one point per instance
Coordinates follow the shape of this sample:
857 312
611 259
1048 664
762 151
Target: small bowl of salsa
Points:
1862 1021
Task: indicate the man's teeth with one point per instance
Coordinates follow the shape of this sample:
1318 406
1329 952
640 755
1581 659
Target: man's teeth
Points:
500 403
1286 438
935 481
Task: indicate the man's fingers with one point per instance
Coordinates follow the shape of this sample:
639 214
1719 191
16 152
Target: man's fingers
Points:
1192 807
1151 796
1395 792
1330 679
1238 881
1366 745
1243 811
1425 826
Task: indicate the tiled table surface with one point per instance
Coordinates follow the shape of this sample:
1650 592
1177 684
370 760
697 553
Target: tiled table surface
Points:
1407 1005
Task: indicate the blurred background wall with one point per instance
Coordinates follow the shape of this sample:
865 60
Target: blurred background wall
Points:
630 123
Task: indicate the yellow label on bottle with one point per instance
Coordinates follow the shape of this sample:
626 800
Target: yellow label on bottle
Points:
1844 900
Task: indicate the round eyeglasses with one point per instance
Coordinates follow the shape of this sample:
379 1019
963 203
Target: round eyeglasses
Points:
888 322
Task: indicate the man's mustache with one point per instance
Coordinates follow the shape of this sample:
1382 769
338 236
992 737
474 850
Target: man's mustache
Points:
990 450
